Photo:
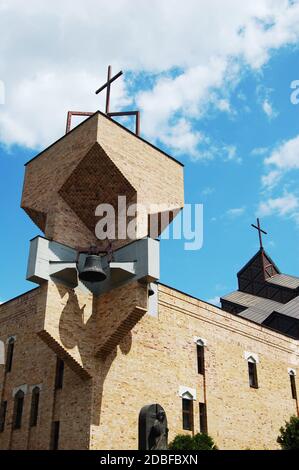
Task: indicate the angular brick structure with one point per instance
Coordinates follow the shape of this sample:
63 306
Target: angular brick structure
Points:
120 354
93 164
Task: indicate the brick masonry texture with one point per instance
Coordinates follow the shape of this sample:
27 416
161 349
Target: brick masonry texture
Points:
150 363
93 164
117 357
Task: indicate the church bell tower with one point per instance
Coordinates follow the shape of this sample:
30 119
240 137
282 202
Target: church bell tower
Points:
96 288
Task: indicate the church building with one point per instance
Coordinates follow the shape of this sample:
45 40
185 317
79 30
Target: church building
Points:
99 338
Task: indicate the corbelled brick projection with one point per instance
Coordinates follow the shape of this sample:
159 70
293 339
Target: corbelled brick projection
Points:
119 356
95 179
95 163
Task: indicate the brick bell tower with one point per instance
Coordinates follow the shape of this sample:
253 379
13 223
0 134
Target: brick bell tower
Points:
96 163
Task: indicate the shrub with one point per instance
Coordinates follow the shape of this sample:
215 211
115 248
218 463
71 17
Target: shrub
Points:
181 442
198 442
289 435
203 442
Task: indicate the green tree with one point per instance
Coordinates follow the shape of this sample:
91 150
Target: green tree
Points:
198 442
289 435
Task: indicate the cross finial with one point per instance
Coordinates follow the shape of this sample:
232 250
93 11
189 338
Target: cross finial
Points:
108 86
107 108
260 231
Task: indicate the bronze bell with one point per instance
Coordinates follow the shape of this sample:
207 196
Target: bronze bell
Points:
92 271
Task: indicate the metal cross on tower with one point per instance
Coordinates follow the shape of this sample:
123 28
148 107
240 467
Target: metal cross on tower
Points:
107 86
260 231
119 113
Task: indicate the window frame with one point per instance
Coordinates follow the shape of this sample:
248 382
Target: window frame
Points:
200 355
19 399
187 413
252 374
3 411
35 399
54 445
203 421
293 385
59 374
9 355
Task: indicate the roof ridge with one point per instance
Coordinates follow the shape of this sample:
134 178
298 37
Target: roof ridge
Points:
288 275
261 252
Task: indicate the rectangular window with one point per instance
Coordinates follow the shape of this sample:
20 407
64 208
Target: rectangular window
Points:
34 406
59 374
55 435
203 423
18 410
293 386
200 359
9 355
252 373
3 408
187 414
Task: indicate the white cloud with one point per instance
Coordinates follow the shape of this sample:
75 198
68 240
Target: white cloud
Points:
207 191
268 109
286 156
264 99
286 205
259 151
53 55
180 137
235 212
224 105
186 94
270 180
230 152
204 147
282 159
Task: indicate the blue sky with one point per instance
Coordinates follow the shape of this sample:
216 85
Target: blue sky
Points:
229 240
216 98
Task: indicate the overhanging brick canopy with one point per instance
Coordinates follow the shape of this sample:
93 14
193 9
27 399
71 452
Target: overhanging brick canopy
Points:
93 164
95 180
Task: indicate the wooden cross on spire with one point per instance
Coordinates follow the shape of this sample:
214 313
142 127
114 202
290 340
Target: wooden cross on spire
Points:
260 231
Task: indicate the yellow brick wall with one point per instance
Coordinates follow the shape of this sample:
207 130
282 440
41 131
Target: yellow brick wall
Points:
160 355
35 364
148 366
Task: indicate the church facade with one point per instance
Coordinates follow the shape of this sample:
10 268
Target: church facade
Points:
82 359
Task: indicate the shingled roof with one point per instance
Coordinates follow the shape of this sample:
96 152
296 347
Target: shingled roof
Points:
290 309
266 296
292 282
